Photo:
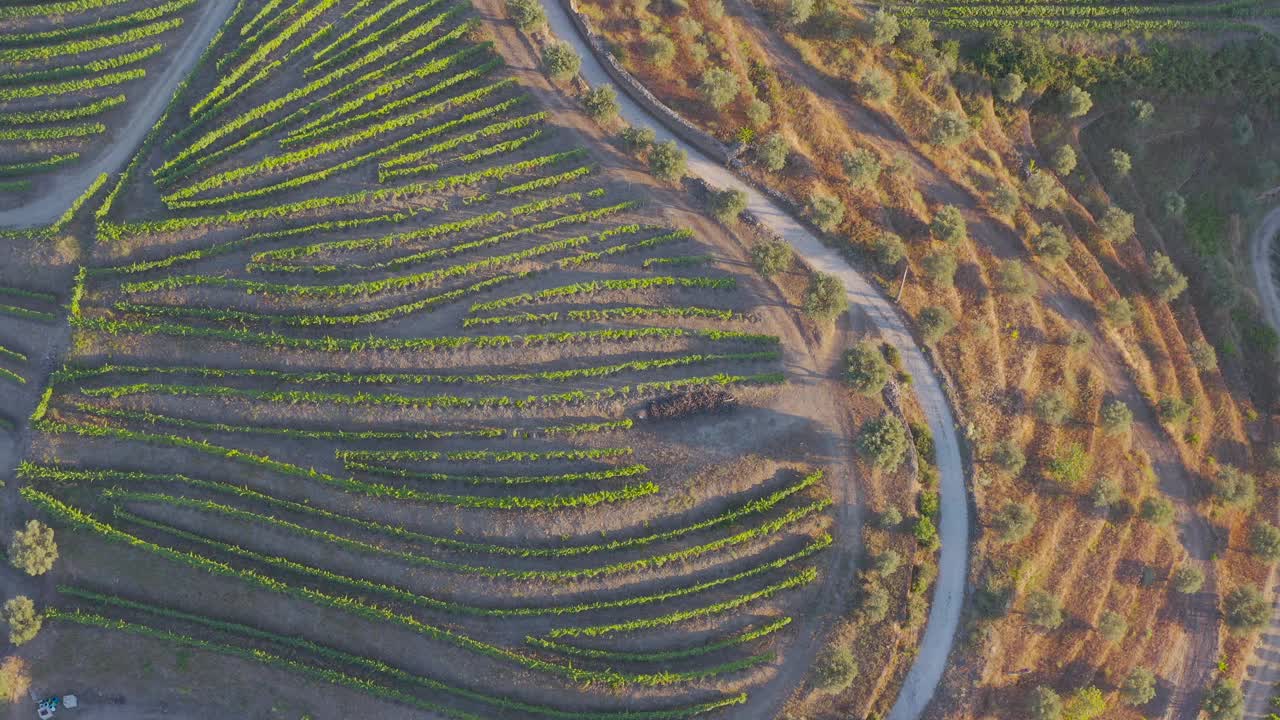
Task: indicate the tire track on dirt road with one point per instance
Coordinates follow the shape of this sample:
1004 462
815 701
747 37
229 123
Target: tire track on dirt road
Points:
944 613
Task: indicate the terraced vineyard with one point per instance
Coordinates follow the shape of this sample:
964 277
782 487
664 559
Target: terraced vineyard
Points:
68 74
369 393
1094 15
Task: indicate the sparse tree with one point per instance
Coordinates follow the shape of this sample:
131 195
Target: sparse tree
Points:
1139 687
1224 701
883 27
1014 521
1116 225
835 669
1112 626
772 152
1116 417
1044 610
1009 456
1010 88
825 298
1157 511
940 268
1188 579
1044 704
866 369
1175 205
1264 541
949 128
1118 312
1063 161
1233 486
1042 190
1141 111
948 225
1203 356
862 167
1012 278
884 442
667 161
759 113
828 211
560 61
527 14
33 549
1106 493
876 85
20 615
1076 102
1120 162
601 103
1051 243
1052 407
889 249
718 87
771 257
1168 282
935 322
727 204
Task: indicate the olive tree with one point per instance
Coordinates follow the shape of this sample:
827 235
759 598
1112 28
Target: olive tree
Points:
1063 161
1120 162
560 61
835 669
1014 521
20 615
772 152
1203 356
1168 282
1112 626
1044 610
935 322
728 204
601 103
949 128
939 268
1010 88
828 212
826 297
866 369
883 441
1116 225
772 257
33 549
1042 190
667 161
1139 687
527 14
1044 704
1013 278
882 27
1224 701
718 87
1076 102
862 167
1187 579
1116 417
1264 541
948 225
876 85
1051 243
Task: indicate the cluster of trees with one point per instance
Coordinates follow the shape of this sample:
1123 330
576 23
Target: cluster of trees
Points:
32 550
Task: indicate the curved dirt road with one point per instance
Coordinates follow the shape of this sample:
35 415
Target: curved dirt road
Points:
944 615
1263 671
142 114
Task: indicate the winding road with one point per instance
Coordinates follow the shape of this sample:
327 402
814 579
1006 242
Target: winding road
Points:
141 114
944 614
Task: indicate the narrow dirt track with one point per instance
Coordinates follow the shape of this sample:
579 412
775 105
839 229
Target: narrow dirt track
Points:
128 135
944 615
1263 672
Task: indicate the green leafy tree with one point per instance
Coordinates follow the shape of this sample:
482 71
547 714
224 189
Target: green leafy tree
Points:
866 369
601 103
33 549
1168 282
1120 162
1264 541
1005 201
1042 190
527 14
718 87
948 225
1203 356
940 268
1188 579
889 249
772 257
1116 225
862 167
826 297
1063 161
759 113
935 322
1044 704
1116 417
1051 243
1112 626
1013 279
1076 102
890 519
883 27
1141 111
1175 205
667 161
1138 688
874 603
1157 511
1086 703
1106 493
1014 521
20 615
1009 456
1044 610
1052 407
560 61
883 442
1245 608
1172 410
1224 701
949 128
1010 88
1118 312
772 152
638 139
1233 486
828 212
728 204
888 562
926 533
876 85
835 669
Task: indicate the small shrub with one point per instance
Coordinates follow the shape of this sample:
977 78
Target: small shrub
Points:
1044 610
1069 465
1106 493
835 669
926 533
862 167
1187 579
1051 243
1233 486
1118 312
1138 688
772 152
949 128
33 549
866 369
935 322
1203 356
798 12
888 562
828 212
1009 456
772 257
759 113
638 139
1014 521
1112 626
876 85
601 104
1012 278
1224 701
1173 411
1141 111
948 225
718 87
1168 282
1116 417
560 61
889 249
883 442
1086 703
727 205
890 519
1052 407
1157 511
1042 190
667 161
1044 704
1005 201
939 268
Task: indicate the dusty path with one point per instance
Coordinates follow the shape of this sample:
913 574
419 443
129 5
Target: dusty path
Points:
944 615
1263 672
124 141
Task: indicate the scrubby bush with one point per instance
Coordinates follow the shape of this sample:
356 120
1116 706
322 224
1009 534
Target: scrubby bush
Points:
1051 243
890 519
1010 88
638 138
1141 111
667 161
940 268
1233 486
1044 704
772 152
1203 356
1264 541
873 606
772 257
1042 190
798 12
1012 278
876 85
827 211
1187 579
1116 417
1063 161
1118 312
560 61
883 441
759 113
527 14
1014 521
1086 703
1224 701
887 562
1009 456
835 669
1112 626
33 549
1157 511
728 204
1175 205
889 249
1116 225
1168 282
949 128
1106 493
926 533
1044 610
1076 102
1172 410
1245 608
935 322
601 103
826 297
20 615
1139 687
862 167
1005 200
882 27
948 225
1119 162
718 87
1242 130
1052 407
661 50
866 369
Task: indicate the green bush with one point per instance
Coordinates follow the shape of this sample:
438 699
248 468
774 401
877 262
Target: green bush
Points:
827 211
759 113
1069 465
948 225
1044 704
601 103
1119 162
771 257
527 14
1052 407
1044 610
1076 102
949 128
1224 701
883 441
1116 225
718 87
560 60
727 205
926 533
33 549
1112 626
1086 703
939 268
1139 687
1014 521
1005 201
1141 111
1063 161
826 297
1010 88
1203 356
667 161
835 669
638 139
935 322
1173 411
1051 243
19 613
1106 493
772 152
1156 510
1187 579
889 249
876 85
1116 417
1042 190
887 562
866 369
1013 278
1174 204
1233 486
661 50
862 167
1264 541
1009 456
882 27
1168 282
